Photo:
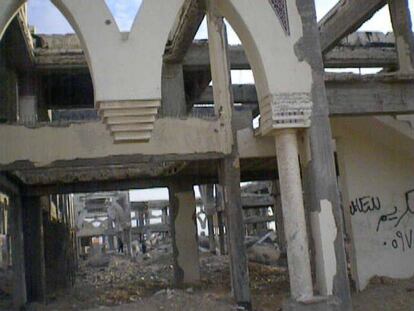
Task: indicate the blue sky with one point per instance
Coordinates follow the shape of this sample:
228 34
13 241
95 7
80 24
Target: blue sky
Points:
48 19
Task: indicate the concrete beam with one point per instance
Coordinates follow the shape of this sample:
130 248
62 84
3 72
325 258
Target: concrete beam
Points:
91 140
256 201
150 228
258 219
344 18
184 31
7 186
379 95
350 95
378 50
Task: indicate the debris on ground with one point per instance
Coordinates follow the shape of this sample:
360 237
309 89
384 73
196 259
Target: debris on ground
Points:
144 282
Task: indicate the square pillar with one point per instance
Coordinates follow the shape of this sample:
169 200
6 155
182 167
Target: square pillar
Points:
229 178
173 93
17 249
319 167
229 170
27 99
404 40
220 219
207 196
183 228
34 249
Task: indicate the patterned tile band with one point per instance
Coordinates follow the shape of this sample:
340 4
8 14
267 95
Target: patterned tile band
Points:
280 7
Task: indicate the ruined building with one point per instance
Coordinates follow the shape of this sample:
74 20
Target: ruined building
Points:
108 111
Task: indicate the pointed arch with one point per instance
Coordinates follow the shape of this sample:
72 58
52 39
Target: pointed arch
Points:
271 51
126 68
8 10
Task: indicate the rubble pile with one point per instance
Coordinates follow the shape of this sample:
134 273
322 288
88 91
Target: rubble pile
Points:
123 279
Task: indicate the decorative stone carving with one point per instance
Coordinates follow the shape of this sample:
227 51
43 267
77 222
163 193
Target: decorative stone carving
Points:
130 121
286 110
280 8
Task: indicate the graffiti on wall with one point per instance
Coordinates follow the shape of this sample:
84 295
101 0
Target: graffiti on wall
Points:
365 205
403 239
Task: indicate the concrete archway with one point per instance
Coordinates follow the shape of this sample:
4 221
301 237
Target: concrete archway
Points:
125 67
278 70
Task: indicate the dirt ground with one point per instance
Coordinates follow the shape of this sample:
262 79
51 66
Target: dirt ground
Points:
118 283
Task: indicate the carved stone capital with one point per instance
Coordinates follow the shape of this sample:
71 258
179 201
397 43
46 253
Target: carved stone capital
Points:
285 110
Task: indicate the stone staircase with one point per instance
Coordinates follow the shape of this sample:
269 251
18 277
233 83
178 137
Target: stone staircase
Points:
129 121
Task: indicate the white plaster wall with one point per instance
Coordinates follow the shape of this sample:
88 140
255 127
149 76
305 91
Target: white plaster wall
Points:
123 66
269 50
377 163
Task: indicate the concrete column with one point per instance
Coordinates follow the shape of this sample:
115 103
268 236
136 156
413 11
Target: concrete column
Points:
229 171
207 196
111 235
184 233
220 219
165 215
320 167
34 249
404 40
111 242
278 213
294 214
222 238
173 93
79 247
127 241
211 235
229 177
27 99
17 248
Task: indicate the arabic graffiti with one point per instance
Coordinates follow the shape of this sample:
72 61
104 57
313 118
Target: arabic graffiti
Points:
365 205
392 217
388 217
403 240
409 199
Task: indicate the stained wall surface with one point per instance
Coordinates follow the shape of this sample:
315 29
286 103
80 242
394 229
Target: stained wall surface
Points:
376 164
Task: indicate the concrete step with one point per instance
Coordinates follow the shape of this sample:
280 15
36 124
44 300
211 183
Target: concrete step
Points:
129 112
140 127
130 120
132 136
129 104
